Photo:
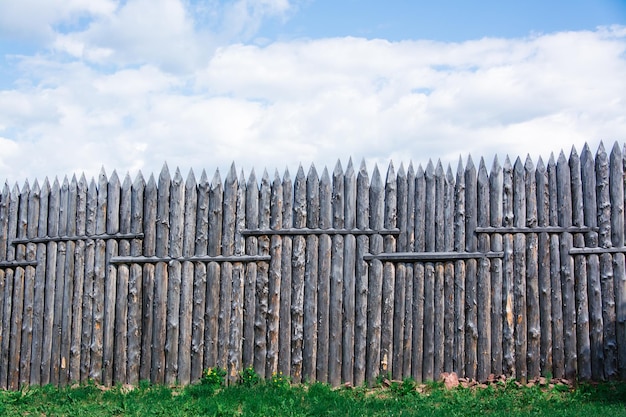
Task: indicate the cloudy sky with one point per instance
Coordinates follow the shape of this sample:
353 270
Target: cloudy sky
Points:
131 84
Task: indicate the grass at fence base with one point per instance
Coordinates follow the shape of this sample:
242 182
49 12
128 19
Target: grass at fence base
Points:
276 397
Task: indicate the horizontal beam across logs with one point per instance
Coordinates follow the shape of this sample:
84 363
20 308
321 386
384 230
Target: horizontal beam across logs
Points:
13 264
546 229
592 251
156 259
329 231
431 256
74 238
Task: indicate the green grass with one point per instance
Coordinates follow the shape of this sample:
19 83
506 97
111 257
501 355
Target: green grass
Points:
277 398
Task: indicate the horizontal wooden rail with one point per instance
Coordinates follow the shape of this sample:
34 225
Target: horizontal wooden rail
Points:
157 259
431 256
105 236
13 264
546 229
329 231
593 251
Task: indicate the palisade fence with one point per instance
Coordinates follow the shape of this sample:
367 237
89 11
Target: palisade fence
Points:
336 278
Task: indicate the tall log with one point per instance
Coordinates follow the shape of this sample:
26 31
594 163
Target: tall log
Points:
336 279
558 353
323 280
496 219
483 284
309 359
284 327
438 304
275 282
349 276
389 273
298 275
508 340
400 279
533 337
408 304
429 275
471 245
262 281
459 271
448 300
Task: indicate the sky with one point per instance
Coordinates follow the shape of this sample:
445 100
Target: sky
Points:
129 85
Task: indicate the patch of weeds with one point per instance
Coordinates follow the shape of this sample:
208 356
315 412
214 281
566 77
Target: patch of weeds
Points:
280 380
248 377
408 386
213 377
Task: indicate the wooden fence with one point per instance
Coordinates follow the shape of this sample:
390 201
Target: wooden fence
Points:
518 270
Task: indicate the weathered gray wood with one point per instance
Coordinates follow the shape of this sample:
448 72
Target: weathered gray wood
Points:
40 284
438 300
533 322
212 304
262 280
284 327
336 279
483 282
580 272
309 354
397 367
297 278
543 273
135 284
374 295
176 228
87 303
508 341
148 276
361 276
275 282
28 318
495 220
159 315
429 275
606 268
458 364
199 279
448 359
349 276
4 298
235 351
407 364
187 281
323 280
616 185
389 274
471 245
564 195
78 282
519 273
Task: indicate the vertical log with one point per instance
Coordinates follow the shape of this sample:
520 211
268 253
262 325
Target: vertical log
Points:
495 219
558 353
389 274
79 282
199 277
508 339
212 303
448 359
310 279
616 185
284 327
135 283
150 208
120 346
543 272
159 317
409 302
275 282
59 291
564 195
519 272
533 357
374 296
262 280
28 318
438 300
349 276
459 271
580 272
483 282
172 327
298 274
337 279
323 280
429 275
5 298
90 258
40 285
361 276
471 245
594 291
236 325
400 279
229 219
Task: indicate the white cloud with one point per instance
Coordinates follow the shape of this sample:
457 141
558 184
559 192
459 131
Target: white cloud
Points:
165 98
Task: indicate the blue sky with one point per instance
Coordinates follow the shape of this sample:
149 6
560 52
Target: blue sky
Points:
132 84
